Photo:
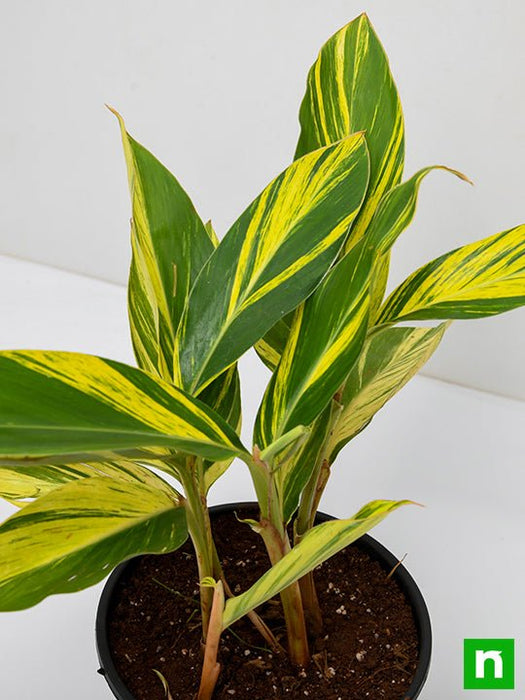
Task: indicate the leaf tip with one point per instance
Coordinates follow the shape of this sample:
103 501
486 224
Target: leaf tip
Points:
457 173
117 115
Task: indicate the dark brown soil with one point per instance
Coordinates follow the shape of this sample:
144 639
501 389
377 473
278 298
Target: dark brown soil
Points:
369 650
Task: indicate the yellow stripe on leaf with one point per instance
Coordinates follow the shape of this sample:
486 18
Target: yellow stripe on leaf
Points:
350 88
479 279
389 359
319 544
326 337
76 406
32 481
392 216
271 259
170 244
72 537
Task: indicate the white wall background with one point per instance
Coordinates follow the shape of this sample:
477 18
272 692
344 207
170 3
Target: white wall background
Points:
213 89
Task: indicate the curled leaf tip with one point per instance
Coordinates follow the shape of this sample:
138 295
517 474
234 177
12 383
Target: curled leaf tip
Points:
117 115
208 582
112 110
459 174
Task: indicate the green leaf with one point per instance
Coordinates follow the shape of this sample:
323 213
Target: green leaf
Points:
224 396
380 273
271 259
295 473
291 440
394 213
327 334
165 684
390 357
350 88
61 407
396 209
170 245
392 216
35 480
479 279
318 545
271 346
211 233
73 537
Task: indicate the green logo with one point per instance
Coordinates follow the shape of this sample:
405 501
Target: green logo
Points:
488 664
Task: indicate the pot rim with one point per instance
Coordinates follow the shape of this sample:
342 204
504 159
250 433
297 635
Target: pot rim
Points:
367 543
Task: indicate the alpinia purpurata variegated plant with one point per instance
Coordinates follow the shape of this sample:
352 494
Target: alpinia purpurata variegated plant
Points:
301 275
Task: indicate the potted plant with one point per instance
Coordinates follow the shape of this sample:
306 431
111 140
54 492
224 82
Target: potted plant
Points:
108 461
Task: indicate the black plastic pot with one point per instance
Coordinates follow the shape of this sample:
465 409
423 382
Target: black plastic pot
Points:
368 544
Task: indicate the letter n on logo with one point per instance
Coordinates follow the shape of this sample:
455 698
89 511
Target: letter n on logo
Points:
488 664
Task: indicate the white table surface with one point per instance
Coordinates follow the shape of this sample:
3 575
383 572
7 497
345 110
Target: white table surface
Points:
457 450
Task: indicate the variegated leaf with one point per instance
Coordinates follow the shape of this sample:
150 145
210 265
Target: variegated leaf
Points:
396 209
380 273
350 88
224 395
61 407
34 480
479 279
318 545
392 216
170 245
73 537
326 338
295 473
271 346
390 357
394 213
271 259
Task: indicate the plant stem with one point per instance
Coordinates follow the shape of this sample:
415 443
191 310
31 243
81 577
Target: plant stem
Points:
312 609
273 531
199 528
322 480
308 506
210 666
310 500
257 622
315 485
277 546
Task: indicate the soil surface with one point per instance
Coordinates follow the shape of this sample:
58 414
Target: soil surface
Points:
369 649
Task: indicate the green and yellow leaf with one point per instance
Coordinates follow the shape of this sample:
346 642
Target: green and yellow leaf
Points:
61 407
318 545
293 476
397 207
479 279
72 537
211 233
34 480
326 337
271 346
350 88
170 245
224 396
394 213
380 275
272 258
390 357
